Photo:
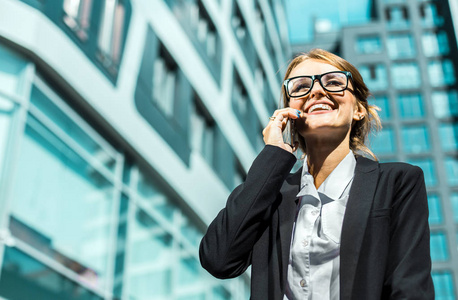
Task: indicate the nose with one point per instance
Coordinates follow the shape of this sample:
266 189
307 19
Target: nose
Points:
317 89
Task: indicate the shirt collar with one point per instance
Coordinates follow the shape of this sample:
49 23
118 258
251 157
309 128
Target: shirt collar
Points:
336 183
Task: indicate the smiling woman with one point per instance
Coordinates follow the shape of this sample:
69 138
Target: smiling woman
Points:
343 226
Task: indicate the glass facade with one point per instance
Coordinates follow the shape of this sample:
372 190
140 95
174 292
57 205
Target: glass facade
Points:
369 44
405 75
375 76
401 46
114 153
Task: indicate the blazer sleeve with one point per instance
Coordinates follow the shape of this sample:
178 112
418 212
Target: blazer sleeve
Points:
226 248
409 262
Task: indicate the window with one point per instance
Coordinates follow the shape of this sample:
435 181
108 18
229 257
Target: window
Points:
429 170
374 76
165 81
445 103
448 135
368 44
415 139
203 131
397 17
443 285
435 209
401 46
111 34
163 96
405 75
411 106
454 200
243 36
383 103
435 43
77 16
65 213
384 142
451 168
441 73
439 248
430 15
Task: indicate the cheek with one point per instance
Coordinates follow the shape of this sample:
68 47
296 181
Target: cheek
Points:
296 104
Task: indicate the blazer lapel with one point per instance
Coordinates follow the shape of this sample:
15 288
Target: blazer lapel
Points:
355 221
287 214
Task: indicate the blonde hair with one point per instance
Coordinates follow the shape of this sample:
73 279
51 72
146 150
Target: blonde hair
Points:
362 128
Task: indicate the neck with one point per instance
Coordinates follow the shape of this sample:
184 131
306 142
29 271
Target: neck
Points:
323 157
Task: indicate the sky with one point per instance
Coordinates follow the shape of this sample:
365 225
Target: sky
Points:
300 15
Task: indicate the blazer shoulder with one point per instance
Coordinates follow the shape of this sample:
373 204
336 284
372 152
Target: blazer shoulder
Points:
400 167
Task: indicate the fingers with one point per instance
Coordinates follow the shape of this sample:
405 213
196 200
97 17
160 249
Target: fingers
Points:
284 114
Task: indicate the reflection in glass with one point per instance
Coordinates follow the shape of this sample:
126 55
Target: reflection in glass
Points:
443 285
405 75
454 200
401 46
368 44
429 170
65 209
445 103
374 76
150 259
435 43
451 168
448 136
383 142
439 248
415 139
23 277
384 105
411 106
441 72
435 209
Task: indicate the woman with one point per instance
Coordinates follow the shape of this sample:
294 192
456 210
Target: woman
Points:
342 227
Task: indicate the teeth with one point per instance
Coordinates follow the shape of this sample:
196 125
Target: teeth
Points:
319 106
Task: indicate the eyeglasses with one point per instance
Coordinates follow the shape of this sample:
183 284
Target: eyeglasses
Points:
299 86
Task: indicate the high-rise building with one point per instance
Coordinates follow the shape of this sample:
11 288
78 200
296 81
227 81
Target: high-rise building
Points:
409 59
124 125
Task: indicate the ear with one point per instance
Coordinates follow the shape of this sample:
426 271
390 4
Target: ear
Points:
360 112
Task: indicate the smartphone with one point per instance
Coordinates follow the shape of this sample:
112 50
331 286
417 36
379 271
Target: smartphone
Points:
289 132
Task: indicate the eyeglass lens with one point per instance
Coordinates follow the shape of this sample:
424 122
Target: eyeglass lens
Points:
332 82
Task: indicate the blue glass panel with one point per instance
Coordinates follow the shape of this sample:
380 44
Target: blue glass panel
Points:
429 170
430 15
443 285
368 44
451 168
66 210
439 248
435 43
441 73
397 17
401 46
445 103
374 76
454 200
405 75
384 105
411 106
383 142
23 277
448 136
435 209
415 139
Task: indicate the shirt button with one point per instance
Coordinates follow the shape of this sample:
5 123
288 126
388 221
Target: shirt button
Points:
305 243
303 283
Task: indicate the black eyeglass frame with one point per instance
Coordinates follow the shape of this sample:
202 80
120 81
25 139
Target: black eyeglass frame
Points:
315 77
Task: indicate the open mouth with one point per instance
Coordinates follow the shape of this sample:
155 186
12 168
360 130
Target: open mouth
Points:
319 108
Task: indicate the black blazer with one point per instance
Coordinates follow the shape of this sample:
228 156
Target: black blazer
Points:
384 252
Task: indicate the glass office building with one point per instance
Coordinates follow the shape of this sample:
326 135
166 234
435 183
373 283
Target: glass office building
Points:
123 127
408 58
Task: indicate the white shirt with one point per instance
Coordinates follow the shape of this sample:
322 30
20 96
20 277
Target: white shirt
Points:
313 270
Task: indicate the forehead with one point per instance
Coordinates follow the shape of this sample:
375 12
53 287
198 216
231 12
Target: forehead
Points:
312 67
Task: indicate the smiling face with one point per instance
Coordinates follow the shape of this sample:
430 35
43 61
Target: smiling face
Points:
324 113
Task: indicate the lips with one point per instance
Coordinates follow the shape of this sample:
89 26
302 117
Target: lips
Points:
319 106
